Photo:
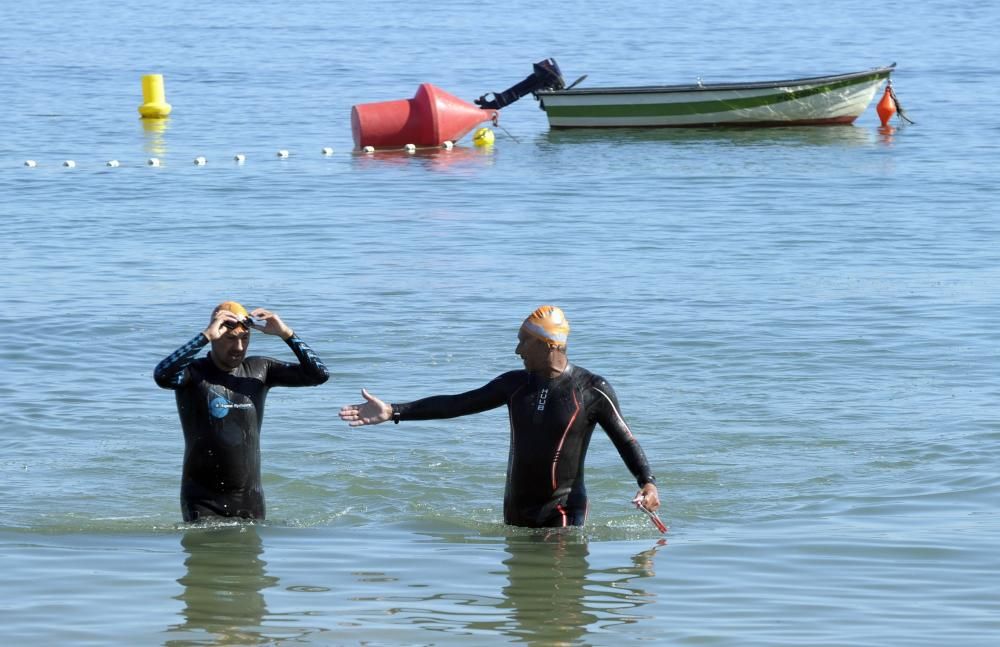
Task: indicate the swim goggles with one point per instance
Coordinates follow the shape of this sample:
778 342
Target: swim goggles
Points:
655 518
246 322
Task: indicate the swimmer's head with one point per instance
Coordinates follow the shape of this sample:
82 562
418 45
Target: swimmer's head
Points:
549 324
229 350
237 309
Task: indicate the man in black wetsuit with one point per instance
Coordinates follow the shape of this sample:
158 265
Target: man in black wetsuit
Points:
220 399
553 407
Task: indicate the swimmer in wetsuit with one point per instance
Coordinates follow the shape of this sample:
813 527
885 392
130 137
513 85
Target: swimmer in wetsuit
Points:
220 400
553 407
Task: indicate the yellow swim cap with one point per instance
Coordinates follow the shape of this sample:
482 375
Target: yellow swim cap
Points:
233 307
549 324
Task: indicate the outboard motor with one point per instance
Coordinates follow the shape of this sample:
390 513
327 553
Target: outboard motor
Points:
546 76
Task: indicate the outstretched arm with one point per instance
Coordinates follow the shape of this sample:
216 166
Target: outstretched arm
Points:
371 412
374 411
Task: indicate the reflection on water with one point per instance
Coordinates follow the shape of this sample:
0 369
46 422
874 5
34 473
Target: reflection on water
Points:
434 159
545 588
776 136
223 587
154 131
556 597
885 135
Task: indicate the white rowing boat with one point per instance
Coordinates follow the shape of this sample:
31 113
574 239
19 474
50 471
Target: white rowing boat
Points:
819 100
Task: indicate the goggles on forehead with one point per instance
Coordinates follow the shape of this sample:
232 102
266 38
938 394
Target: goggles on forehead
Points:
232 325
246 322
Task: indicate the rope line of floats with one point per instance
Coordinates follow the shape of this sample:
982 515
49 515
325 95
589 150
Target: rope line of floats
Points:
241 158
156 109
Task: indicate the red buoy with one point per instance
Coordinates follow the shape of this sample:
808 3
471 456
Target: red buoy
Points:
886 107
430 118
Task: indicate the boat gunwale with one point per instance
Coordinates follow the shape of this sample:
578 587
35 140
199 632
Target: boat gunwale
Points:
877 72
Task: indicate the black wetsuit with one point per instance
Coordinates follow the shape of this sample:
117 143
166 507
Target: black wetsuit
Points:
551 422
221 414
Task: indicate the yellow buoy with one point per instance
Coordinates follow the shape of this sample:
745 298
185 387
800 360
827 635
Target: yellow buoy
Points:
154 99
483 137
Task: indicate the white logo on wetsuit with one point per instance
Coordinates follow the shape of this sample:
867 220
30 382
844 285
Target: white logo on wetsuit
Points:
220 405
543 395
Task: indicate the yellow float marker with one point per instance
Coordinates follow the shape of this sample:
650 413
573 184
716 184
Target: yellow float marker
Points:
154 98
483 137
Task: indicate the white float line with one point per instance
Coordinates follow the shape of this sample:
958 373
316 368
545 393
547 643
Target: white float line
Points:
240 158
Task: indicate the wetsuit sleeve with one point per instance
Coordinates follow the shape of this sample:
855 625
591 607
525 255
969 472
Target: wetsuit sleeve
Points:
171 373
610 418
310 371
489 396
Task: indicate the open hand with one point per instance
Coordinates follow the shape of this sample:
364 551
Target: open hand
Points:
371 412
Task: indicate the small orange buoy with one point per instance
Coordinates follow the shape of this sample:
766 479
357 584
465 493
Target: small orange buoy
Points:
886 107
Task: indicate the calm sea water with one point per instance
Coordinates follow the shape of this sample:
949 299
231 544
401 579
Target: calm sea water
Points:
800 325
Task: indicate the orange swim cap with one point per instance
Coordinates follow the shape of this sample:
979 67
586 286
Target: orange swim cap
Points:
549 324
233 307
